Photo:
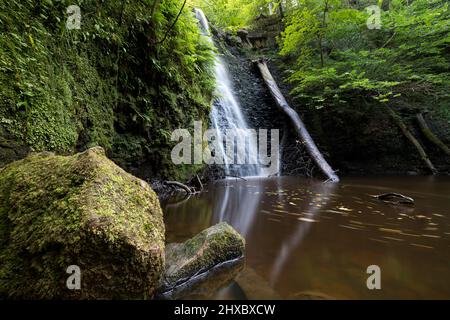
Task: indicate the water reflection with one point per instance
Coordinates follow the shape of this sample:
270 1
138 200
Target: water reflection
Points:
309 239
237 203
320 191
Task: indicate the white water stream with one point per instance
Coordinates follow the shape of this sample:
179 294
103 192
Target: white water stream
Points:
226 115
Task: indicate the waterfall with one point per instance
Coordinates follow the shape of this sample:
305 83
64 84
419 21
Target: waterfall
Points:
226 114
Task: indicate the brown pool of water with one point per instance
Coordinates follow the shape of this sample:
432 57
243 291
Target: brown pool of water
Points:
308 239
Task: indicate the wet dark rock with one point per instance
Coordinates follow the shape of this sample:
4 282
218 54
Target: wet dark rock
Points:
162 190
258 106
258 40
10 149
256 102
206 284
255 287
395 198
242 33
264 32
233 40
218 33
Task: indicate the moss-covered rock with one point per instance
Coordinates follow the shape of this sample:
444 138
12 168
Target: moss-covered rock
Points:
215 245
79 210
207 284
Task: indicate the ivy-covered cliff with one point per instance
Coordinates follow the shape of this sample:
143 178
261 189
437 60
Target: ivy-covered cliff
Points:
132 72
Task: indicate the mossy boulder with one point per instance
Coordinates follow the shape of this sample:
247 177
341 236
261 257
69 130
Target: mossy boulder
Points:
211 247
205 285
57 211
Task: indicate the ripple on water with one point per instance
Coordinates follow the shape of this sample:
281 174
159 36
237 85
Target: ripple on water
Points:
306 236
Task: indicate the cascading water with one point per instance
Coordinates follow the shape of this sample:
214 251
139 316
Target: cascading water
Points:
226 114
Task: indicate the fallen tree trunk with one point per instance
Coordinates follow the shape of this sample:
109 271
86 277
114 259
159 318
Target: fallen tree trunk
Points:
430 135
300 127
423 155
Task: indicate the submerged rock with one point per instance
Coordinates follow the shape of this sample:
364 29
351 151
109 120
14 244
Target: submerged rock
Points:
256 287
81 210
395 198
211 247
311 295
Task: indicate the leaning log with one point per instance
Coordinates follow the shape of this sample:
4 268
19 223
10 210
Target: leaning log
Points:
423 155
300 127
430 135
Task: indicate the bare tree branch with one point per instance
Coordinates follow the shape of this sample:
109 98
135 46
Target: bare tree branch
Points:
173 24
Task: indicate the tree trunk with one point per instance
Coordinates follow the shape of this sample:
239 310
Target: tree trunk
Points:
430 135
281 9
281 102
322 31
413 140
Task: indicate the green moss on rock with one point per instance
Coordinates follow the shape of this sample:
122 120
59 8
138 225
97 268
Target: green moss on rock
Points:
209 248
80 210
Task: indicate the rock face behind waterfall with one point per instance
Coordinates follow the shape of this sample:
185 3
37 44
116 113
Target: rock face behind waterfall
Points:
79 210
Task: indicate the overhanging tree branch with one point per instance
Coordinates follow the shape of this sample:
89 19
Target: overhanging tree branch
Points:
173 24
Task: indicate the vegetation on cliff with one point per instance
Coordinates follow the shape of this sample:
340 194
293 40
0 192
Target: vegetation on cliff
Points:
124 80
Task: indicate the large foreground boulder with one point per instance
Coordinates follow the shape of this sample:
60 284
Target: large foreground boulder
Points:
78 210
211 247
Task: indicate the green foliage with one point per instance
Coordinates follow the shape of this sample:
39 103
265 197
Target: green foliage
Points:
111 81
339 61
332 58
232 14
